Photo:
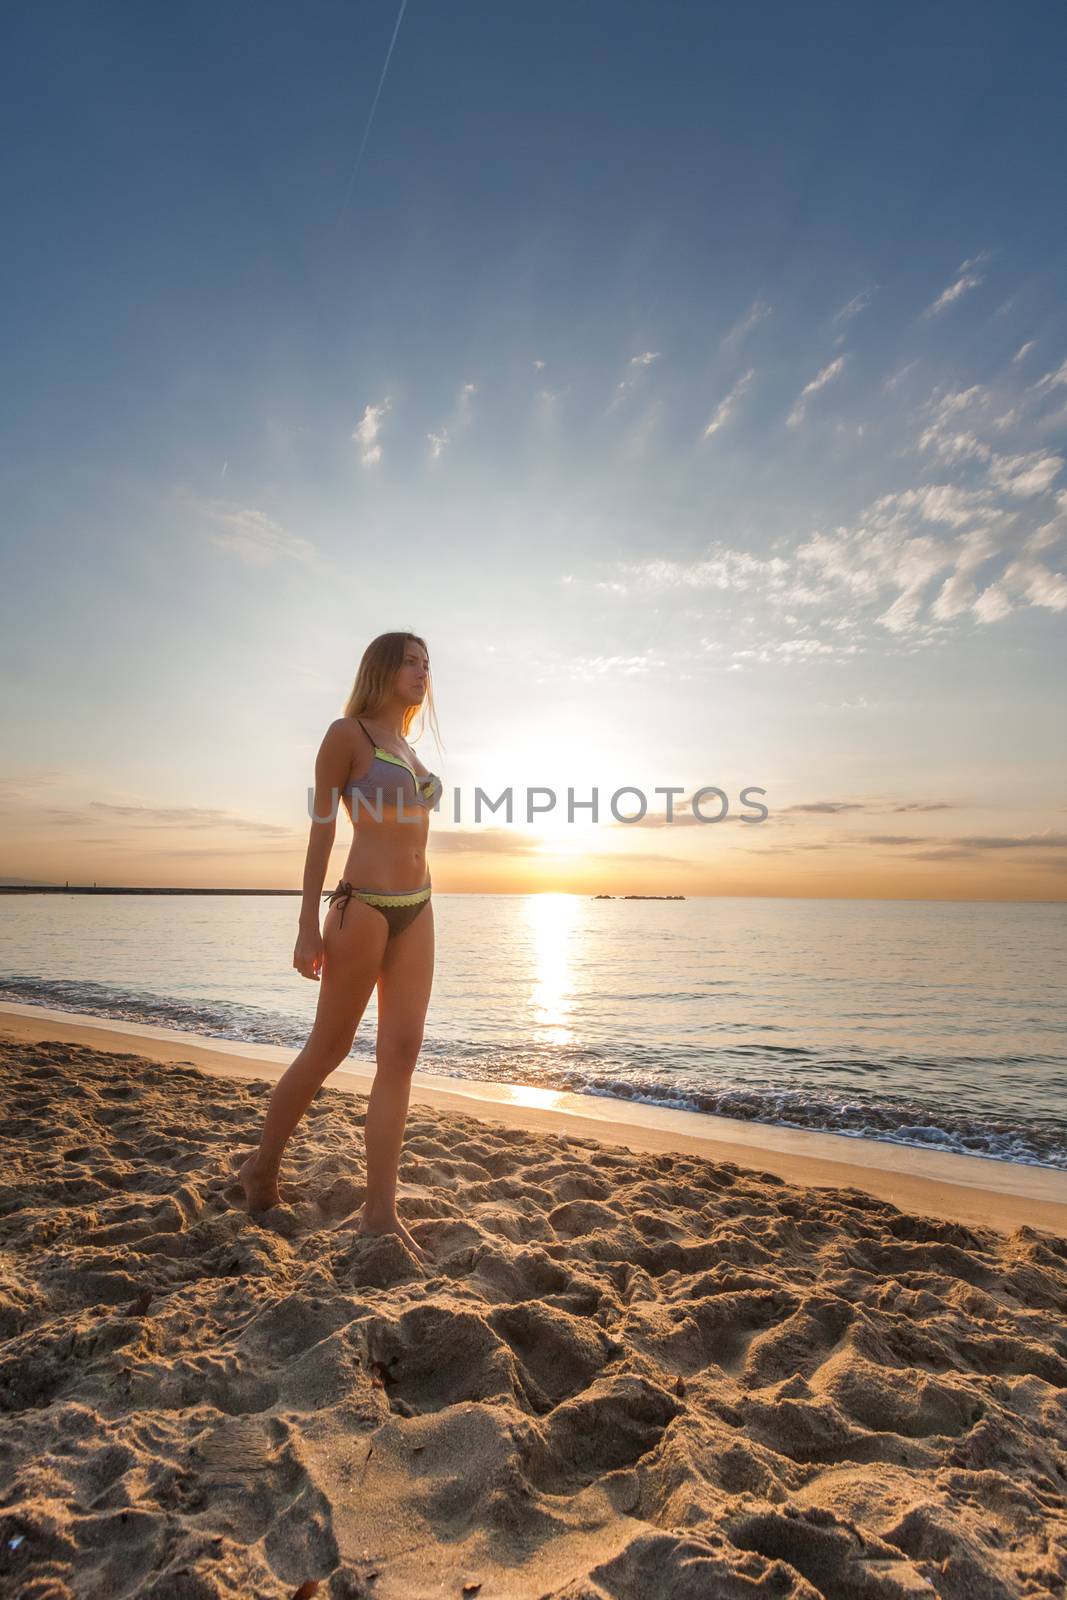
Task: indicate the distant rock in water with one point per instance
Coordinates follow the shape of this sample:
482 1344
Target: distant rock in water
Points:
639 897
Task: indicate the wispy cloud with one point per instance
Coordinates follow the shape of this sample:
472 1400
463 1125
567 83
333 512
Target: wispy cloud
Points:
832 370
1043 849
858 303
755 314
485 841
366 433
22 789
683 814
967 277
195 818
725 409
834 808
1023 476
910 564
895 379
1053 380
459 420
253 536
635 366
722 569
1024 581
934 848
588 669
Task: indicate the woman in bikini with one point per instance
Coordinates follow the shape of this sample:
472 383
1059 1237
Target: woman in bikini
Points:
378 929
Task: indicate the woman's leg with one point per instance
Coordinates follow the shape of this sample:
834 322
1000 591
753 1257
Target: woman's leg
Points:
352 956
404 984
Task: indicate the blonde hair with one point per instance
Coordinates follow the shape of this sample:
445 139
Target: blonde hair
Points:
382 660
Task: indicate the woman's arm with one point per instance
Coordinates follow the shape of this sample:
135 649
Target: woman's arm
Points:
331 773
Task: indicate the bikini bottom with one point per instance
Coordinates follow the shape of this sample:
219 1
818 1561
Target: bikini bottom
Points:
398 909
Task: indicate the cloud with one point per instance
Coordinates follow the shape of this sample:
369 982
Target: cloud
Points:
967 277
190 817
1023 350
756 313
725 409
931 847
682 813
724 569
1051 532
858 303
459 419
253 536
794 648
366 433
876 807
587 669
1052 380
1025 475
973 545
832 370
1022 475
485 841
197 818
639 363
897 378
1025 580
1032 841
961 849
887 557
832 808
884 553
24 786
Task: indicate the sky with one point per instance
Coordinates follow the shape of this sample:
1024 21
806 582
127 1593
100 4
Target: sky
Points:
692 377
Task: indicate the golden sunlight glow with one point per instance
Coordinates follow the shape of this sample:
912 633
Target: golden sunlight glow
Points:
551 918
528 1094
558 837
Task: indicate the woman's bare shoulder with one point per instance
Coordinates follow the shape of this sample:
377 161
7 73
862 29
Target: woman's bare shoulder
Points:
347 731
339 731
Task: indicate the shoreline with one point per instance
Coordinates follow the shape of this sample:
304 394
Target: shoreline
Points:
976 1190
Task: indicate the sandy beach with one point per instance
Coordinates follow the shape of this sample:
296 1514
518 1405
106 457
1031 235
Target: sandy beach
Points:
657 1354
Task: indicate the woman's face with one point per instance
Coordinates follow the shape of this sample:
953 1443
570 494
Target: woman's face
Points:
413 676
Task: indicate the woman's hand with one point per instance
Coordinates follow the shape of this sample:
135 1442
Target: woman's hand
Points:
307 957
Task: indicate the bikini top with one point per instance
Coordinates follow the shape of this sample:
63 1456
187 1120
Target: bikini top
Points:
396 782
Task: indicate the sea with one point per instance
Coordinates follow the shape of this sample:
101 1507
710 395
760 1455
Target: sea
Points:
924 1023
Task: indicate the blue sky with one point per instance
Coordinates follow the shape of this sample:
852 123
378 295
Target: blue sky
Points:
692 377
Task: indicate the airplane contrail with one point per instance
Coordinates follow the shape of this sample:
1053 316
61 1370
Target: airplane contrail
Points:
374 107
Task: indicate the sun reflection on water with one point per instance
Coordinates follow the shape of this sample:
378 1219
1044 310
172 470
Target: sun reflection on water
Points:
551 919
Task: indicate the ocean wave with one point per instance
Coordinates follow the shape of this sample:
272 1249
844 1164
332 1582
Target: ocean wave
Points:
646 1075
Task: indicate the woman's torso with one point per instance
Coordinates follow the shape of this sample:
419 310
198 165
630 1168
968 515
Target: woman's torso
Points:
388 849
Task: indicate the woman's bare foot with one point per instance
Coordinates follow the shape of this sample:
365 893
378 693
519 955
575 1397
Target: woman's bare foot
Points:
391 1223
260 1187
